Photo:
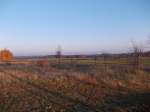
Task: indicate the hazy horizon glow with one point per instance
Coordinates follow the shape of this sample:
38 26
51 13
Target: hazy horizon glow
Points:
37 27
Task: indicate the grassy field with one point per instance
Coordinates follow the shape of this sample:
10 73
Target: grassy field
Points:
75 85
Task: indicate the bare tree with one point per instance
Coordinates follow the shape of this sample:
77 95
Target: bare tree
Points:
105 56
148 43
59 53
95 58
137 54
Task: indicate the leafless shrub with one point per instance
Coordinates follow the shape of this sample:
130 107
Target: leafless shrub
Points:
42 63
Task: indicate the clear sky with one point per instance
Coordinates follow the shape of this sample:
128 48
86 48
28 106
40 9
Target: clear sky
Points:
37 27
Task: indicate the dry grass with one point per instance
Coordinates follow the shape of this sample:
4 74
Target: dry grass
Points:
69 87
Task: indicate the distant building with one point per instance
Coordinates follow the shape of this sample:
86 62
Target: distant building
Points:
5 55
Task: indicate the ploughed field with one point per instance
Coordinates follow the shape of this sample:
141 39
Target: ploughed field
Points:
74 86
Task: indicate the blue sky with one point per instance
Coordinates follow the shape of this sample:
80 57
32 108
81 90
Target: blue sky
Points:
37 27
